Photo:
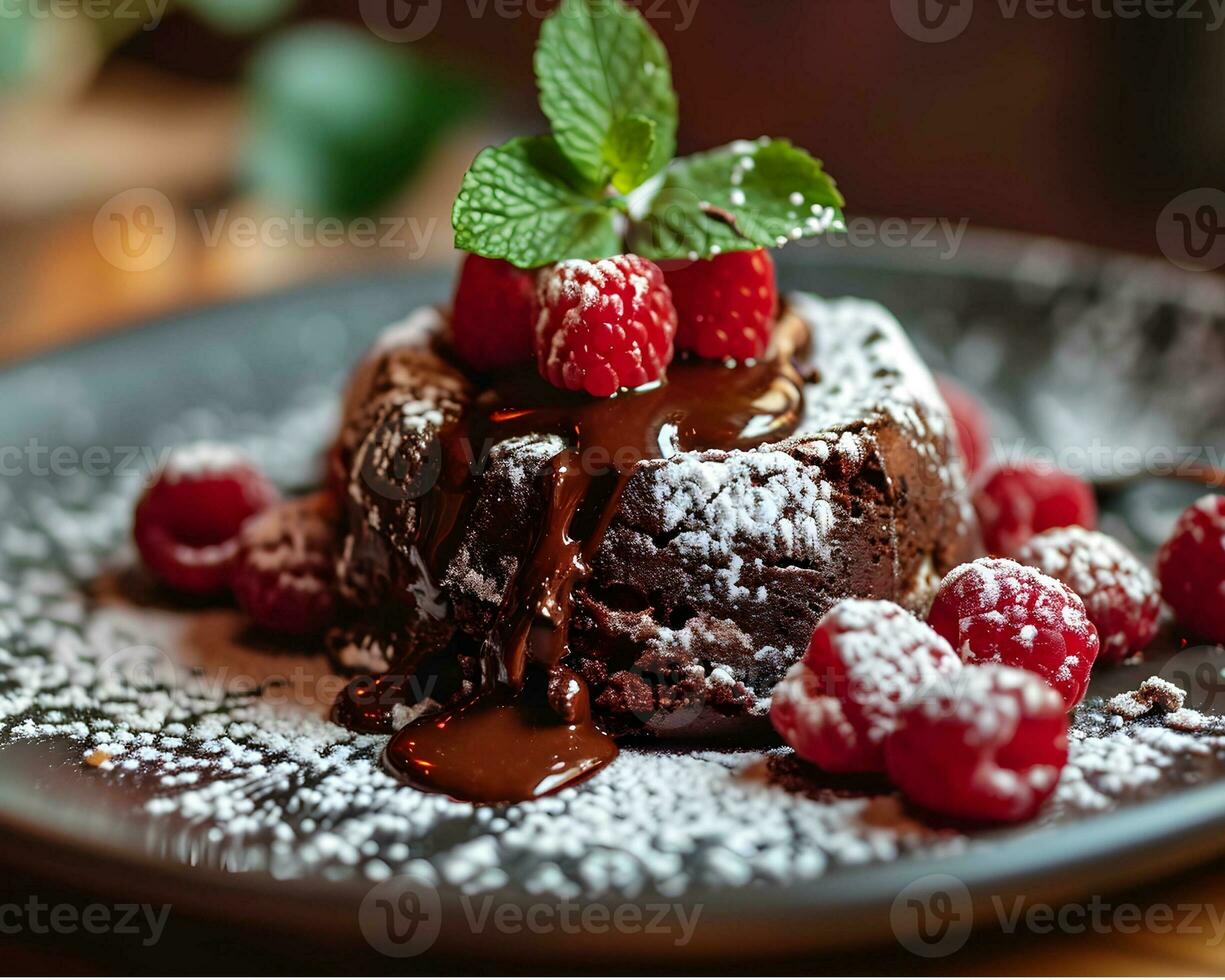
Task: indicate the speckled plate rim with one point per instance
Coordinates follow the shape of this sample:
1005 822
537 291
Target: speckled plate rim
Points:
844 908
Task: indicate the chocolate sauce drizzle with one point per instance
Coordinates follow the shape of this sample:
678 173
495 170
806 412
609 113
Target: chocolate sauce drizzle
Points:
531 732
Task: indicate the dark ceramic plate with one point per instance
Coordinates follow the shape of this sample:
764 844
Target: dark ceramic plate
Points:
144 755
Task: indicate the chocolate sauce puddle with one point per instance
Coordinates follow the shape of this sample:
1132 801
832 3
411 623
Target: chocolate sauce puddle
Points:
529 733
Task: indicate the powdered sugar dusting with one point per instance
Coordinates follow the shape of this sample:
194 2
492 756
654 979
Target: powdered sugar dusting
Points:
201 459
999 611
1156 692
257 782
883 657
1120 594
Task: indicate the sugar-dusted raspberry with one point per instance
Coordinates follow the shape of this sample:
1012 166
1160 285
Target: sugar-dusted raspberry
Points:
187 522
1191 567
491 317
813 723
285 574
602 326
988 747
1119 593
726 306
970 421
997 611
873 657
1018 501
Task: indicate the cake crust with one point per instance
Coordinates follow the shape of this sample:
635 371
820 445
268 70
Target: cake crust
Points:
717 565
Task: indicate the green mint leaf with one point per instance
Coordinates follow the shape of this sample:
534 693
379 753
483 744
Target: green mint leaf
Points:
597 63
519 202
629 149
743 196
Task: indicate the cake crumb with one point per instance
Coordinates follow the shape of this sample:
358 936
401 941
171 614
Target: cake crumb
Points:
1160 692
1156 692
1185 720
1128 706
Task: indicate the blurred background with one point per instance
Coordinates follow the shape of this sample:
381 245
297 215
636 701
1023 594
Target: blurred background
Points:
161 153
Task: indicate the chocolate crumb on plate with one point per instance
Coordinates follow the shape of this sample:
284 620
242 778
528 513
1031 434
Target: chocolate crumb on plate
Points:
1129 706
1162 694
1156 692
1185 720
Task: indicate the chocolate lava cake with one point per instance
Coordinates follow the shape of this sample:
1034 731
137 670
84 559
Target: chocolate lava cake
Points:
703 569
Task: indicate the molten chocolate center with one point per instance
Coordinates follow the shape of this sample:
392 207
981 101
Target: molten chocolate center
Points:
522 738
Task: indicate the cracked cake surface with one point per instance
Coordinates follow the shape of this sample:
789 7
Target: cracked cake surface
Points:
717 564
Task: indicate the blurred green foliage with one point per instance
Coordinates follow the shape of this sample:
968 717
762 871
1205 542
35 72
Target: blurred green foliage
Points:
16 32
240 16
338 120
110 22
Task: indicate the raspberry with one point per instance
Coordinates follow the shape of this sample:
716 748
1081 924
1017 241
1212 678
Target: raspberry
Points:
873 657
491 317
284 577
997 611
725 306
970 420
813 723
988 747
605 325
1020 501
186 523
1191 567
1120 594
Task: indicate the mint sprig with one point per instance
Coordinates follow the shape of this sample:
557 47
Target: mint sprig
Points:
630 149
519 202
606 87
743 196
597 64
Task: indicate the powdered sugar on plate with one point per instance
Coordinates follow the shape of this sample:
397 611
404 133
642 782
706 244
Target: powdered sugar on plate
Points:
230 745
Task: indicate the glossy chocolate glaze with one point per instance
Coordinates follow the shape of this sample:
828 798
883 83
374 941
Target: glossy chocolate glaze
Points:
529 731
